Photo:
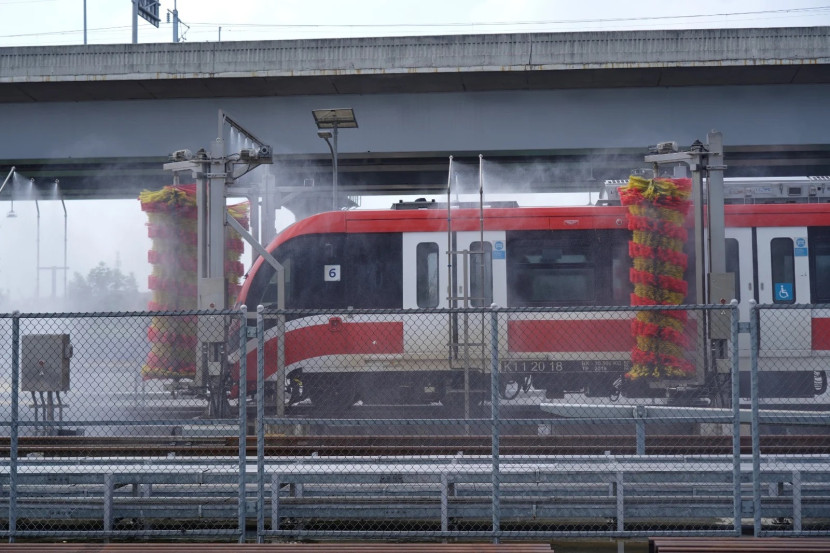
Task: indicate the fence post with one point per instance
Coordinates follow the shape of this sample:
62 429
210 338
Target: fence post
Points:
15 425
640 428
754 338
260 423
736 418
494 402
109 505
243 417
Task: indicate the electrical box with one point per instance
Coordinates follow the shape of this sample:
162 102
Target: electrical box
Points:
212 293
45 362
211 329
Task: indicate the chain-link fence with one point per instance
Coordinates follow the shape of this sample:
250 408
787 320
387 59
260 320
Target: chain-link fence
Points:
108 424
464 423
788 399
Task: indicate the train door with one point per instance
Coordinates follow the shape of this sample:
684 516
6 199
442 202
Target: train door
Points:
425 280
483 285
782 266
740 262
487 274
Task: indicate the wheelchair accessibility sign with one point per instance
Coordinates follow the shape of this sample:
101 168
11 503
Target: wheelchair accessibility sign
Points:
784 291
498 250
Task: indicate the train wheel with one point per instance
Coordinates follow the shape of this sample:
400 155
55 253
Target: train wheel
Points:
332 393
509 387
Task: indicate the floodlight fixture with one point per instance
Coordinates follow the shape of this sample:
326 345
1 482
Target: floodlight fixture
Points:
342 118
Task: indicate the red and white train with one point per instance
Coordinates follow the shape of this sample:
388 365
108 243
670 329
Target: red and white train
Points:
777 244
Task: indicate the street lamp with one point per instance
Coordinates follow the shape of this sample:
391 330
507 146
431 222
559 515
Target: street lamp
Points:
328 121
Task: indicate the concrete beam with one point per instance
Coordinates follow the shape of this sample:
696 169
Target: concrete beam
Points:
416 64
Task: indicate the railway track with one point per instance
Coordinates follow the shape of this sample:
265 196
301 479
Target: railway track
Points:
387 446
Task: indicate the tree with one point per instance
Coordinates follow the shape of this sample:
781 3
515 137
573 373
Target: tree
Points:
105 289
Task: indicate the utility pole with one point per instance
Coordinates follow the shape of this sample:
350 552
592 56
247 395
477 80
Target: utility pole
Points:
84 22
175 22
135 21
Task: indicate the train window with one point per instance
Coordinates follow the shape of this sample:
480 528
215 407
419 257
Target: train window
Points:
481 265
426 261
566 285
819 248
732 265
373 262
783 270
561 268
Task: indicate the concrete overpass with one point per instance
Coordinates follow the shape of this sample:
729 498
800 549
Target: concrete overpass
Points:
560 111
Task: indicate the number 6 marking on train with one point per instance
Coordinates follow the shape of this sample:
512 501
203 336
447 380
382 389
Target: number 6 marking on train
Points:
331 273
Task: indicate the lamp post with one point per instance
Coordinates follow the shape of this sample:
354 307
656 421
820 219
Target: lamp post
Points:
328 122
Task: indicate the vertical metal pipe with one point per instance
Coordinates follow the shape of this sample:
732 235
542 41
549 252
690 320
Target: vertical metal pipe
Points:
15 425
640 429
754 323
445 492
466 347
275 501
717 241
495 422
334 167
135 21
620 485
281 373
109 492
216 216
260 422
65 244
450 274
243 417
37 252
271 201
736 420
700 251
797 501
175 22
256 225
84 22
482 259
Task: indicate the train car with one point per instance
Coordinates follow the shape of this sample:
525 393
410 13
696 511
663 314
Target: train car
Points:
777 232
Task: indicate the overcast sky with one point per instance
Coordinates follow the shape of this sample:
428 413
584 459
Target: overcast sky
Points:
33 22
112 231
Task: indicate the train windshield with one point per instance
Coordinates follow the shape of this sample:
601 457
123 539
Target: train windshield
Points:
333 271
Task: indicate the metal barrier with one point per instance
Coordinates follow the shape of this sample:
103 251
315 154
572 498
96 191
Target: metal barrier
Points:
484 424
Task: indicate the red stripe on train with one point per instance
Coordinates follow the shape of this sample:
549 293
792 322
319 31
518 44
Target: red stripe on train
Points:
821 334
597 335
335 338
340 337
